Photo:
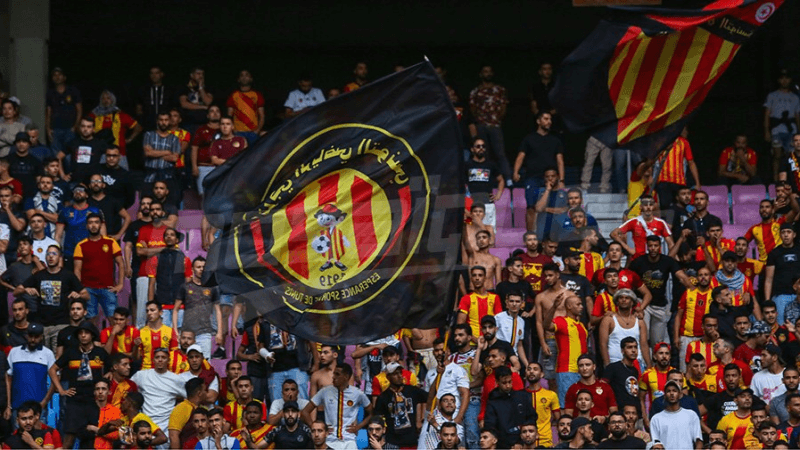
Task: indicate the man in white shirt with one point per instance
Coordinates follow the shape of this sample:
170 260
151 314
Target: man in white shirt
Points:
767 383
676 427
448 378
341 403
511 325
41 241
304 97
160 387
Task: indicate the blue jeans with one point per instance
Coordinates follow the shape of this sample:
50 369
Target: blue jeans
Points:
472 431
166 317
106 299
276 380
780 302
61 137
564 380
251 136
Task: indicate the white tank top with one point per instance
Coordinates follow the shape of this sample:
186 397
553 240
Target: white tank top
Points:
616 336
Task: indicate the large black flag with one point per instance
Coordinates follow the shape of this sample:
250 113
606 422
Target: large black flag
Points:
343 225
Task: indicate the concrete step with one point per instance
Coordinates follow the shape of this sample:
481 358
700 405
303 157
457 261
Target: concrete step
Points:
605 198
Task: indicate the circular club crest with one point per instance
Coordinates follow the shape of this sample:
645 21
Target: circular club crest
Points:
764 12
336 224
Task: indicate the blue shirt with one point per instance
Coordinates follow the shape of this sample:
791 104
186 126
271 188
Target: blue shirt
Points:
75 230
28 371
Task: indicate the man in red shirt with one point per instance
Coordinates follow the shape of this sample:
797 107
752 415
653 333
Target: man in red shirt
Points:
95 258
628 279
604 401
533 261
750 351
228 145
201 143
246 107
641 227
149 243
738 164
119 337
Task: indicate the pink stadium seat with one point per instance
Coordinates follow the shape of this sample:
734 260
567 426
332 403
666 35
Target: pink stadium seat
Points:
734 231
716 194
520 205
748 194
720 210
503 210
746 214
193 245
190 218
509 237
502 252
771 190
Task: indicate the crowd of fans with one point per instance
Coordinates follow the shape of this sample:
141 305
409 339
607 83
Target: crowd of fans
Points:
673 338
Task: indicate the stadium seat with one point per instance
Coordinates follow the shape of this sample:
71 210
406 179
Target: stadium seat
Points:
745 214
747 194
716 194
502 252
509 237
771 191
503 210
520 205
734 231
190 218
720 210
193 246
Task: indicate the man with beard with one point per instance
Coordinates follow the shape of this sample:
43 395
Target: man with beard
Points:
292 434
748 266
507 409
533 262
482 176
723 351
563 427
376 433
722 403
463 356
777 406
750 351
198 367
693 306
85 152
449 437
445 412
488 341
737 424
623 375
95 259
546 403
701 385
767 233
676 427
201 143
652 381
116 216
304 97
162 149
39 238
27 435
571 339
577 283
448 378
149 242
741 286
28 367
540 151
255 429
618 434
619 325
641 228
580 434
71 224
162 194
13 334
360 73
401 406
544 302
44 203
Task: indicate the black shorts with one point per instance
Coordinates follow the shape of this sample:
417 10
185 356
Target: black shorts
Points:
77 415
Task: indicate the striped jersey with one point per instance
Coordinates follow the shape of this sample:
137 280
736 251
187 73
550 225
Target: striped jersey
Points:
708 383
234 414
476 306
571 339
767 236
341 409
673 168
119 123
695 304
152 339
591 262
716 255
603 303
739 431
704 348
245 106
123 342
652 381
751 267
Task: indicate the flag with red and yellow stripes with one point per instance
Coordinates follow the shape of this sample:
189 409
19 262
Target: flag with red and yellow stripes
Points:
636 79
342 225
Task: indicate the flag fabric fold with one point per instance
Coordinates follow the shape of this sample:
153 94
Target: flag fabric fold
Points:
343 225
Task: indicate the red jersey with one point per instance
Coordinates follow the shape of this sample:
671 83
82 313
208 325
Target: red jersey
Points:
602 396
751 356
118 391
704 348
203 138
163 337
123 341
603 303
767 236
717 370
98 256
628 279
751 267
695 304
571 339
532 270
672 168
227 148
726 159
245 105
234 411
476 306
716 255
119 123
635 226
151 237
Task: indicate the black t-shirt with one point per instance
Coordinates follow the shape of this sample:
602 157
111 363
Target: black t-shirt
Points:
110 207
540 92
16 274
82 372
193 116
13 336
722 403
61 191
624 382
787 264
53 291
25 169
654 275
198 304
510 351
283 438
481 179
154 99
503 288
582 288
119 184
85 158
66 337
132 236
399 411
629 442
699 226
540 152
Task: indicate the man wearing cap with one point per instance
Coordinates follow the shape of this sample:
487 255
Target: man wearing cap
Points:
738 424
28 367
71 225
24 166
341 403
402 407
619 324
768 382
676 427
651 383
783 263
750 351
694 304
160 388
198 367
580 434
81 365
168 271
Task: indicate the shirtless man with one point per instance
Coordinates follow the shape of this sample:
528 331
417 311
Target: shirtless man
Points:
477 212
544 302
422 342
482 257
327 364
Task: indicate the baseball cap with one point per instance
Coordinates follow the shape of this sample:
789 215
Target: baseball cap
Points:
35 328
392 367
79 187
759 327
784 73
22 136
661 344
577 423
57 69
729 256
672 383
194 347
773 349
571 253
291 404
488 319
740 390
787 226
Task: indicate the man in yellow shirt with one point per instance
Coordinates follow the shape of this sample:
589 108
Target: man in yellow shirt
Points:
195 394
